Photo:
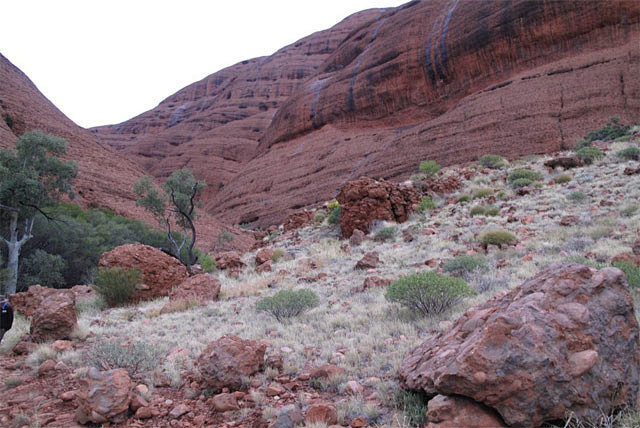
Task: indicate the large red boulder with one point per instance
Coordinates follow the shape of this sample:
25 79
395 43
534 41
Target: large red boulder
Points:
227 360
161 271
564 341
54 318
104 396
366 200
26 302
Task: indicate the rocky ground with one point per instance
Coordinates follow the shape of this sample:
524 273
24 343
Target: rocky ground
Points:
340 359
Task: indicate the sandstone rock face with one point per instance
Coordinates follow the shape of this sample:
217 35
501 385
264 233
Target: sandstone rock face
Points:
564 341
201 287
457 412
161 271
227 360
54 318
365 200
26 302
104 396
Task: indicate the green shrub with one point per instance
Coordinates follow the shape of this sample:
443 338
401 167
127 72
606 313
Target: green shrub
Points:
428 293
518 174
501 195
490 210
464 198
582 143
334 213
137 357
477 210
612 130
589 154
426 203
521 182
117 285
563 178
482 193
413 406
576 196
630 153
429 168
320 216
462 266
492 161
497 237
288 303
208 263
385 234
277 255
44 269
631 271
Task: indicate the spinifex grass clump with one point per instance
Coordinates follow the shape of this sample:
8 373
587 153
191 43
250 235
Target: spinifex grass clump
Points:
463 266
497 237
630 153
426 203
589 154
428 293
492 161
523 177
385 234
288 303
117 285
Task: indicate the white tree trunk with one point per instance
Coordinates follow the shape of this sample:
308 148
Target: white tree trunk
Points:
13 248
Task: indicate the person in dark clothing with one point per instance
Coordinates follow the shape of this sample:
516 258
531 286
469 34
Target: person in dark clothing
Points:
6 317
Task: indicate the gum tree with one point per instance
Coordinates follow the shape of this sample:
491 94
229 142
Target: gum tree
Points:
174 207
32 177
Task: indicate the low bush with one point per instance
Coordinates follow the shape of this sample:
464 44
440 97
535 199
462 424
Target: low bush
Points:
207 262
521 182
463 266
631 271
426 203
464 198
334 213
490 210
563 178
611 131
482 193
492 161
477 210
288 303
277 255
629 210
589 154
385 234
518 174
630 153
429 168
413 406
428 293
117 285
320 216
497 237
576 196
137 357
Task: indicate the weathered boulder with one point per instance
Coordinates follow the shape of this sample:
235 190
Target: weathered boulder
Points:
457 412
201 287
297 220
54 318
228 260
224 402
321 413
84 292
564 341
26 302
104 396
227 360
365 200
161 271
368 261
566 162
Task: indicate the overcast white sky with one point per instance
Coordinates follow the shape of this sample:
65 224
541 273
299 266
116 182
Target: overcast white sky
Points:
103 62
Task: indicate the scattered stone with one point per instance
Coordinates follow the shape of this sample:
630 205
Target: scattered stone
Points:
24 348
161 271
225 402
178 411
84 293
635 248
456 412
264 256
275 361
359 423
407 236
54 318
67 396
274 389
321 413
143 413
569 220
288 417
297 220
227 360
374 282
265 267
369 261
104 397
357 238
228 260
62 345
365 200
631 171
627 257
46 367
325 371
564 341
354 388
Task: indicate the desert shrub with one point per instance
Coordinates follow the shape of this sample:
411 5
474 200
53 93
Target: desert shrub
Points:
426 203
288 303
630 153
117 285
429 168
334 213
385 233
521 182
589 154
43 268
464 198
277 255
631 271
492 161
502 195
137 357
413 406
519 174
629 210
320 216
576 196
612 130
428 293
563 178
12 382
463 266
207 262
497 237
477 210
490 210
482 193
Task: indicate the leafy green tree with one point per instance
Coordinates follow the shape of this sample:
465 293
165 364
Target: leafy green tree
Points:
32 177
174 206
43 268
